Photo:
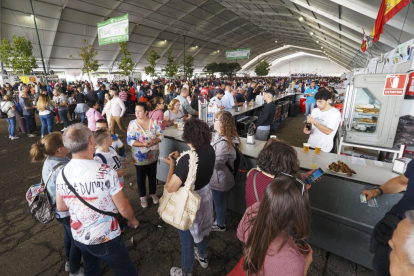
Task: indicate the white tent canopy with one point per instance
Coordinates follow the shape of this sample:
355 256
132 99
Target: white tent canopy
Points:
211 28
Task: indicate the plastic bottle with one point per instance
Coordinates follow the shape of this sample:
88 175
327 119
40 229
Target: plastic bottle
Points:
210 113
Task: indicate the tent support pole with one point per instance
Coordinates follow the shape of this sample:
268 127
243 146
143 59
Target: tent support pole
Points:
38 40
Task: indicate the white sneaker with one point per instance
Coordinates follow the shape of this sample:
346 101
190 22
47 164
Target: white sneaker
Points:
176 271
31 135
203 262
10 136
14 138
218 228
155 199
144 202
79 273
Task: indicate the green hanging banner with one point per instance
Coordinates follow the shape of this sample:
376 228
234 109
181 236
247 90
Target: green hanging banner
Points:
113 30
238 54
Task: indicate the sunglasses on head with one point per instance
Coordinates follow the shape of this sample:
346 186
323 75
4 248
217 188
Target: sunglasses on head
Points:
298 180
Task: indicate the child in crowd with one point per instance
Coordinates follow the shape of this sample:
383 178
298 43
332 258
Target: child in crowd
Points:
116 142
93 114
104 153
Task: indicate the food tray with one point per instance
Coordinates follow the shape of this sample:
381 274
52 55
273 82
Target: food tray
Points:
327 166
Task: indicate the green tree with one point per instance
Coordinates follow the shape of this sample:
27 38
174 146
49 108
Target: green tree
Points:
152 59
170 69
211 68
87 55
188 66
232 69
126 65
223 68
262 69
18 56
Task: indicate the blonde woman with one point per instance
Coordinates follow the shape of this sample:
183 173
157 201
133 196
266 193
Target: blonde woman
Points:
46 114
225 142
173 113
107 109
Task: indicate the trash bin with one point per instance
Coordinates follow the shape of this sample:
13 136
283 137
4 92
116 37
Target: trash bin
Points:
293 110
303 105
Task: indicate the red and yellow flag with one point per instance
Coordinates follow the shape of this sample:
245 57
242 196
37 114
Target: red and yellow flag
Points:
364 42
387 10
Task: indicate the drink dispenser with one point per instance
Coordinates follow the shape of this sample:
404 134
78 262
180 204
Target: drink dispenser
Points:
202 111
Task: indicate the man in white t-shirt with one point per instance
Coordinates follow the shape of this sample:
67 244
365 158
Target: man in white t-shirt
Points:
219 94
98 185
325 121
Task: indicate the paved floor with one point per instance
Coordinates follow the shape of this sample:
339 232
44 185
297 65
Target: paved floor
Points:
29 248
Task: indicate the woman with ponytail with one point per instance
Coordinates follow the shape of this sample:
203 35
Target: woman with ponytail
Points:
51 151
156 108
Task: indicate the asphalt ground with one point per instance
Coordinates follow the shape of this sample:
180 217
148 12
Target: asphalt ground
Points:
29 248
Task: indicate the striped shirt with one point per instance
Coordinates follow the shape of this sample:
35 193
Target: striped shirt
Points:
123 96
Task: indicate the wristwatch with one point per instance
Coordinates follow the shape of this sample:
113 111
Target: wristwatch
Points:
381 191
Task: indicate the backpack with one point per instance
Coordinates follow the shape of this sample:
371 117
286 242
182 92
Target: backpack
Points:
2 113
102 157
39 200
240 166
19 109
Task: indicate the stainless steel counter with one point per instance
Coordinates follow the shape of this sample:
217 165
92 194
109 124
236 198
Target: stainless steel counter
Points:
373 173
340 222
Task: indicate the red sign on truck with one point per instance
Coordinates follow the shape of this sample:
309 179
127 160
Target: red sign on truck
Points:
395 85
409 93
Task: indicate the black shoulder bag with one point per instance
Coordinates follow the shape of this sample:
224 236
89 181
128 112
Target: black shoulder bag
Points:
121 220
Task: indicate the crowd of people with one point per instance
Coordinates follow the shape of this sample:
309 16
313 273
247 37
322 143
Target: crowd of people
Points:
87 189
80 100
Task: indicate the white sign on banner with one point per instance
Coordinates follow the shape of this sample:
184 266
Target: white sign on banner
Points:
238 54
113 30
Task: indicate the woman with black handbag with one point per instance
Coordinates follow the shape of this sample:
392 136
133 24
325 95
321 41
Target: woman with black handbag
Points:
52 152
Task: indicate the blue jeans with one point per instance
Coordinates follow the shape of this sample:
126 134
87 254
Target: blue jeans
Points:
73 253
64 117
126 107
47 123
114 253
28 119
187 250
12 126
309 108
82 117
220 205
